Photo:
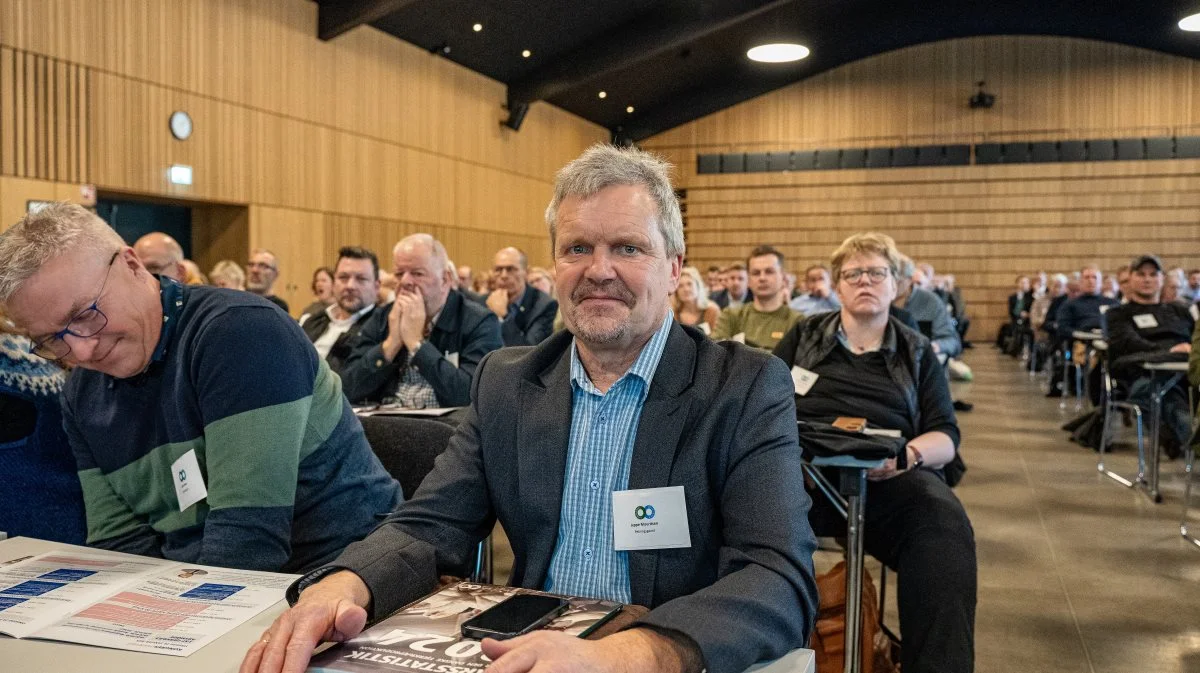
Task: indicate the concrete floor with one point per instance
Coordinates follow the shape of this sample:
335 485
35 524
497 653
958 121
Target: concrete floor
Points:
1076 573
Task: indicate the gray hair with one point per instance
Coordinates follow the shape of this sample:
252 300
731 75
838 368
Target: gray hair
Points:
39 237
906 267
602 166
438 251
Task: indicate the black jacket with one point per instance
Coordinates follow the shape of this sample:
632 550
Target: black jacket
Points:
722 298
912 365
315 326
1129 344
534 320
463 328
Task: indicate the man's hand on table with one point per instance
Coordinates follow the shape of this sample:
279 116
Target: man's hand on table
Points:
632 651
333 609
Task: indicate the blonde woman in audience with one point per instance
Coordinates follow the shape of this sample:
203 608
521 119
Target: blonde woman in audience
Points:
226 273
692 305
1173 283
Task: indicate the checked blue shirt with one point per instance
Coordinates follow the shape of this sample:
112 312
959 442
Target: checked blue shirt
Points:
603 431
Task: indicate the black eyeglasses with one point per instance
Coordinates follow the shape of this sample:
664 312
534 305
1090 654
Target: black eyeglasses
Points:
86 323
875 274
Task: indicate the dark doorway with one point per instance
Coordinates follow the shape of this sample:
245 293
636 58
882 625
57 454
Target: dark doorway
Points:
134 219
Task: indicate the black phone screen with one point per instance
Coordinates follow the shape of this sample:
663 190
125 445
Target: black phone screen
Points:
515 614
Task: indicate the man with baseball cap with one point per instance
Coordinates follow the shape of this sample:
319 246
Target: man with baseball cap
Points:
1146 330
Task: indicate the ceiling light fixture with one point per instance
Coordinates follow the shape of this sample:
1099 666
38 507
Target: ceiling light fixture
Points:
526 54
603 94
629 109
477 27
778 53
1190 23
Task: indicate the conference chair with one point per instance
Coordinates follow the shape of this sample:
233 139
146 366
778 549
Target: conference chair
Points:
408 447
1109 405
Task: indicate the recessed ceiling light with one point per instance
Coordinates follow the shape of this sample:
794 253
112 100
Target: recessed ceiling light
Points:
778 53
603 94
526 53
1190 23
629 109
477 27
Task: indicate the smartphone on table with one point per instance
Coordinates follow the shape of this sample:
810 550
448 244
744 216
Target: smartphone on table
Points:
514 616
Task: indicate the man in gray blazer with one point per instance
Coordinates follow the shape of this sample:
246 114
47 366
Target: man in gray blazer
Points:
625 423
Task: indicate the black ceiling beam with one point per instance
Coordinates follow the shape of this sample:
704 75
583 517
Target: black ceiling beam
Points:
335 17
614 53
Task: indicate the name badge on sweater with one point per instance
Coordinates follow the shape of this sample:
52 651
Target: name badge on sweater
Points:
651 518
1145 321
803 380
189 483
740 338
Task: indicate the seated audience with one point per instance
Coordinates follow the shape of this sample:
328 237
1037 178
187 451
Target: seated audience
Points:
714 280
464 277
194 275
692 305
526 313
39 493
1147 329
735 287
1123 275
355 288
1172 292
263 269
925 307
219 386
1019 304
870 366
456 284
387 288
1192 291
1082 314
161 255
322 289
227 274
1042 313
818 294
766 317
422 349
542 279
555 431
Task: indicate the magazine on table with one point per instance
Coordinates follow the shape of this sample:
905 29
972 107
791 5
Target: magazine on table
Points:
427 635
129 602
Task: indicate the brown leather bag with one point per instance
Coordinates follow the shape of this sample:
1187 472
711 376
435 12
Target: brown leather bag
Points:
829 636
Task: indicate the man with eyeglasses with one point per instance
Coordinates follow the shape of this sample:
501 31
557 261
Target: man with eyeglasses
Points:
261 272
526 313
355 288
204 426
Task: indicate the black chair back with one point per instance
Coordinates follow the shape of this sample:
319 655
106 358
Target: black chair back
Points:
407 447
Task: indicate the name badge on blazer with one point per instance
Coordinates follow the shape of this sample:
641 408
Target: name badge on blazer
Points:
1145 321
651 518
453 358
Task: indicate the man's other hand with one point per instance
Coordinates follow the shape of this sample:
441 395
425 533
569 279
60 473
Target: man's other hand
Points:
333 609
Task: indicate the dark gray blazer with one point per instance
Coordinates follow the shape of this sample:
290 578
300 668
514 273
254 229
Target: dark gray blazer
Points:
719 420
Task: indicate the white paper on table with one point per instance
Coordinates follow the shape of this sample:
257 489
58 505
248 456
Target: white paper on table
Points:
164 607
397 410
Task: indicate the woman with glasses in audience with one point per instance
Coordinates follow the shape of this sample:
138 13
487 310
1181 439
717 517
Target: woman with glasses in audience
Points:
692 305
868 364
40 494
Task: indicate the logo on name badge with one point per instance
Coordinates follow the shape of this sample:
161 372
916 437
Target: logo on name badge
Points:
183 475
644 512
